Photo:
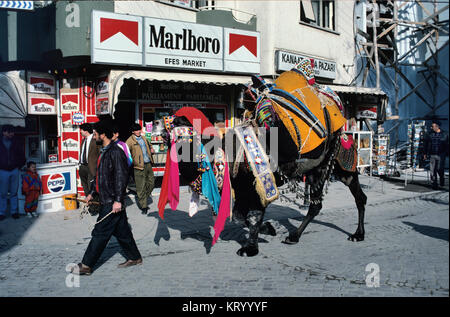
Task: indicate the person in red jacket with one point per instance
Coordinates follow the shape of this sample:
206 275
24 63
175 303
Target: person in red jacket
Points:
31 189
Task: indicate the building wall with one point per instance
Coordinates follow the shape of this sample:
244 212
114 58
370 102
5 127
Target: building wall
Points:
155 9
280 28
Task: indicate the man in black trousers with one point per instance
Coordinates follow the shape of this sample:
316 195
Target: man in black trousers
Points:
110 183
436 151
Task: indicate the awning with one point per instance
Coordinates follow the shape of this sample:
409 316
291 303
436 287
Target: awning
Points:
357 90
117 78
12 98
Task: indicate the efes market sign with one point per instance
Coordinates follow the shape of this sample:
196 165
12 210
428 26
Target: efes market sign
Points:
144 41
322 68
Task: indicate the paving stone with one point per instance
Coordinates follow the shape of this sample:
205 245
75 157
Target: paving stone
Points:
406 235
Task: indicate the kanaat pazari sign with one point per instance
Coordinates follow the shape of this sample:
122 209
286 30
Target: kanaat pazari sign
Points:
322 68
144 41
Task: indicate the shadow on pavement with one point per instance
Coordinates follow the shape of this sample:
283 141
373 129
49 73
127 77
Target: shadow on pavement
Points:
13 230
295 214
433 232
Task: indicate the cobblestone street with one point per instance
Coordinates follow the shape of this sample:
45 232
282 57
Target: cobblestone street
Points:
406 237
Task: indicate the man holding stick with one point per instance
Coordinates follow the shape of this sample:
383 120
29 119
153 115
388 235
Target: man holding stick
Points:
110 183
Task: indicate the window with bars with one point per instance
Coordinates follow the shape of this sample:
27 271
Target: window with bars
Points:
319 13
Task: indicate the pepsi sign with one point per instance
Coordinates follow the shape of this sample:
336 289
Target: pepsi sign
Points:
55 183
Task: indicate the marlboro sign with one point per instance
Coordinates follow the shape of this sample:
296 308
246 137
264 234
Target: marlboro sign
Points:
41 84
69 103
42 106
147 41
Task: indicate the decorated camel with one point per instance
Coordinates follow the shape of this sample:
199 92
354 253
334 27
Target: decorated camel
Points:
305 122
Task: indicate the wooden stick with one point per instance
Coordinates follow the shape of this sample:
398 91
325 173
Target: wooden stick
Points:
83 201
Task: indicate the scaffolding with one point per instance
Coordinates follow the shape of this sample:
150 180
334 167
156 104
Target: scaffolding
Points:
380 46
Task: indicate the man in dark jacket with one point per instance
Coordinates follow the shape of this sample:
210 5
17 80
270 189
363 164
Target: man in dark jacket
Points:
110 182
437 150
12 158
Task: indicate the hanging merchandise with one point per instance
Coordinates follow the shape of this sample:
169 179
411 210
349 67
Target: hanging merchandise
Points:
415 150
381 154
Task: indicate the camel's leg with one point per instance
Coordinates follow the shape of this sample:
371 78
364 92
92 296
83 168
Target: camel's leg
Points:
314 209
254 219
352 181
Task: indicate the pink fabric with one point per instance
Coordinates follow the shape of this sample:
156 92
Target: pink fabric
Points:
170 188
162 202
174 178
347 144
225 204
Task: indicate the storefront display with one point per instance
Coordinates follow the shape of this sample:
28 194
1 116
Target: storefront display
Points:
150 112
363 140
381 154
415 150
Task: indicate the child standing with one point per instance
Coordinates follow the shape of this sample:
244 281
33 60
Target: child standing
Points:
31 188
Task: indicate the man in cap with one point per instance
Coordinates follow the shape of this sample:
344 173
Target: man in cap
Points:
110 182
141 153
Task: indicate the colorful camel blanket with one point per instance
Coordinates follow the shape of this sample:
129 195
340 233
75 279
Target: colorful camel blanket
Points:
347 156
259 164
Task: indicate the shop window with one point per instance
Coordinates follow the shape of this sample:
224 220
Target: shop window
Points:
319 13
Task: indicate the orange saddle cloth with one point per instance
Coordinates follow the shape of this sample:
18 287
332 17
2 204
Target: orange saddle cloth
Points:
295 84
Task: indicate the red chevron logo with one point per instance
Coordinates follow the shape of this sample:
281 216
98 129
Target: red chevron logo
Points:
110 27
239 40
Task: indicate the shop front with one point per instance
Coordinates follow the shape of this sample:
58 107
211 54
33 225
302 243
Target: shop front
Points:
365 110
32 103
186 65
144 101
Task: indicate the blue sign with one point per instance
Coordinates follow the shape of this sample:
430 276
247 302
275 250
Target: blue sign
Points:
17 5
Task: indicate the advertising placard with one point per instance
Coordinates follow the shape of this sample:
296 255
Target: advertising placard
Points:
41 105
41 83
242 51
69 103
78 118
67 125
101 105
366 113
177 44
116 38
147 41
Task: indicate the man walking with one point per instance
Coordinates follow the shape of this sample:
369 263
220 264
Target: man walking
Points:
88 157
142 162
110 182
12 158
437 150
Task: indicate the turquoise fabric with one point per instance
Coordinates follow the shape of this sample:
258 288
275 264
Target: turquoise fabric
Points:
209 183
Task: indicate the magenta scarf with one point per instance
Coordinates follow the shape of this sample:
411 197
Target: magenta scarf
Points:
170 188
174 178
225 205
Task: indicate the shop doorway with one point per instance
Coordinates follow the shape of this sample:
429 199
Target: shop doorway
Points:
48 139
